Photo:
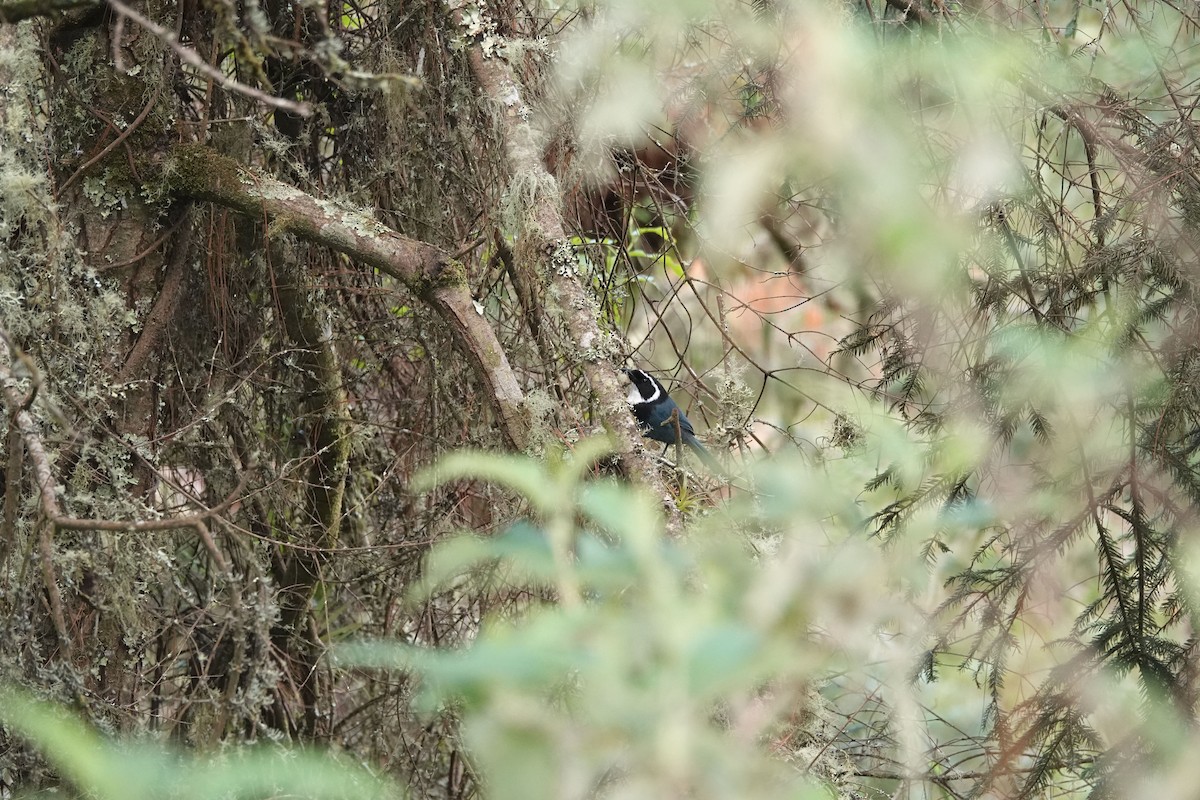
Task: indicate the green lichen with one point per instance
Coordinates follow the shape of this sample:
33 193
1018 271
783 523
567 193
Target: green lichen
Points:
107 196
607 346
542 409
527 193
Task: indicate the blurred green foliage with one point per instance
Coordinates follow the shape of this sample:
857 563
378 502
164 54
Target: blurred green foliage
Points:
648 666
94 766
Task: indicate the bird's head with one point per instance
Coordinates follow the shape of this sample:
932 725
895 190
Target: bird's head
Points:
645 389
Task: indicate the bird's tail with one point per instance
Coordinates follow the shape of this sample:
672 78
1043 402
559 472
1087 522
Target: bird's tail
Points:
709 460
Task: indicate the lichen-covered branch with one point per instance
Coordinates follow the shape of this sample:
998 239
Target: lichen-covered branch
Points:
427 271
546 254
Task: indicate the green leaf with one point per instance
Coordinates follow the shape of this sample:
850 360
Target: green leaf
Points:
629 515
723 657
523 475
273 773
104 769
76 752
519 757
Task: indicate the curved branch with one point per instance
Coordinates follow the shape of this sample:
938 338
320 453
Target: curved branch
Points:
427 271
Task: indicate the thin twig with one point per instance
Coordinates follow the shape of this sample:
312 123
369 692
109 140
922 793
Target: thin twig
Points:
50 582
44 477
122 136
189 56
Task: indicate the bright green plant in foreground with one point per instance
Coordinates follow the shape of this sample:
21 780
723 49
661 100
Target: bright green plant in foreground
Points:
647 666
93 766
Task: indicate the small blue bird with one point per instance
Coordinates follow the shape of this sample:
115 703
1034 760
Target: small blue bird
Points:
653 408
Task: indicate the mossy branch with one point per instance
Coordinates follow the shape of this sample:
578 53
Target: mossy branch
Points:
427 271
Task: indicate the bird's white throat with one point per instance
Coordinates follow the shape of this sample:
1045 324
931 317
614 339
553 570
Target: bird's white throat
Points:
636 398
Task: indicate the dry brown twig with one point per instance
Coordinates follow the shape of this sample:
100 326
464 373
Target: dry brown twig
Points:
191 58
